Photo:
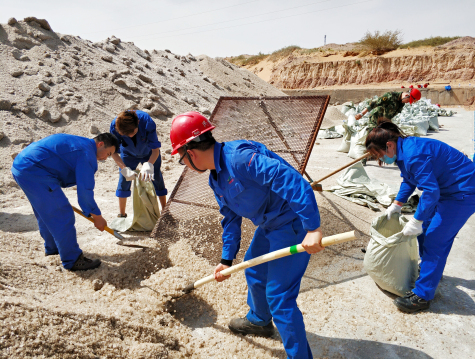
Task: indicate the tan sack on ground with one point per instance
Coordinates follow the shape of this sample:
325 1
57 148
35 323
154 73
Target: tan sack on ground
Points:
391 258
146 211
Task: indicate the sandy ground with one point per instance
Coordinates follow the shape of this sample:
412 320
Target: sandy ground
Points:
123 308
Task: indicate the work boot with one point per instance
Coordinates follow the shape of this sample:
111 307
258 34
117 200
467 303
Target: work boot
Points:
83 263
411 303
244 326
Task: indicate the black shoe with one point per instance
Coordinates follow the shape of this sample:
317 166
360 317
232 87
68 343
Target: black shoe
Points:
122 215
51 254
83 263
244 326
411 303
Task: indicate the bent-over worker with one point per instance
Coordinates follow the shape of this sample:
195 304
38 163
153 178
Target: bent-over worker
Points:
56 162
137 134
388 106
250 181
447 178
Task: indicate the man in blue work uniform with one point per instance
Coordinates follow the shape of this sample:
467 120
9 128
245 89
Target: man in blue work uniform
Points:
137 134
61 160
250 181
447 178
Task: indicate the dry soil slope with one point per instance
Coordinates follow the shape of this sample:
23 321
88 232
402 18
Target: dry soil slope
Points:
53 83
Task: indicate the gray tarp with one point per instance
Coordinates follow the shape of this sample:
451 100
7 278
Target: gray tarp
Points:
146 211
355 185
391 258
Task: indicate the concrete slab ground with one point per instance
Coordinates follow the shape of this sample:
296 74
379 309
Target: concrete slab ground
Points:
345 313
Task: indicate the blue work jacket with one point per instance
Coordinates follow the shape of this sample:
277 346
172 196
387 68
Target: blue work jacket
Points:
65 160
146 137
437 169
251 181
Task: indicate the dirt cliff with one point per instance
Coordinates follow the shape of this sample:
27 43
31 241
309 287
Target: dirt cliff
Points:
451 62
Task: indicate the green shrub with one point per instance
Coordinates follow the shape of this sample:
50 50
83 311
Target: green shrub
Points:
254 60
283 52
430 41
379 43
358 62
243 60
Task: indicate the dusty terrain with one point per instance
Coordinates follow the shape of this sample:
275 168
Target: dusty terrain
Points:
124 309
337 65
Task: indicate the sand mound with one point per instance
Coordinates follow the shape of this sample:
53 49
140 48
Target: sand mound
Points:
460 42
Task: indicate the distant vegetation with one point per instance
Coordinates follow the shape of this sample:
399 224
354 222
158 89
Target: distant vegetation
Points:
283 52
380 43
376 43
242 60
431 41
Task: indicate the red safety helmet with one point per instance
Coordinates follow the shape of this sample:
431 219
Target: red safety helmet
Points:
415 95
186 127
411 86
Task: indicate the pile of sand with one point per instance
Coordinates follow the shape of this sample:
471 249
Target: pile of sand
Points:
53 83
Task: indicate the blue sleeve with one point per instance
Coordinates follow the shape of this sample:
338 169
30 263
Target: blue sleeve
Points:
284 181
427 182
85 186
231 224
405 191
152 138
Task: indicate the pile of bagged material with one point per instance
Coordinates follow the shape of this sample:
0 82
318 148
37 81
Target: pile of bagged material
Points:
414 120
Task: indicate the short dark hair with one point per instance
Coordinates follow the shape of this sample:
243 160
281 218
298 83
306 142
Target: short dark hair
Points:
126 122
380 135
206 141
109 140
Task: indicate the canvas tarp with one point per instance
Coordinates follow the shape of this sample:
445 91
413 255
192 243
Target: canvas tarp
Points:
391 258
355 185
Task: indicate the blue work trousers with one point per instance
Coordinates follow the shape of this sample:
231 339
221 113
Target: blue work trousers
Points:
123 188
55 218
274 286
436 241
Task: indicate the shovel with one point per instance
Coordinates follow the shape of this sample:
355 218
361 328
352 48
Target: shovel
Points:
110 230
318 187
326 241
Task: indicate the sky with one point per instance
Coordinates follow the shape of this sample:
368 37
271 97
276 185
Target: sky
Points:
221 28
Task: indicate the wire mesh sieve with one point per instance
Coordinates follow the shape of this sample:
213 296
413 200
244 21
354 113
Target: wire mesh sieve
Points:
287 126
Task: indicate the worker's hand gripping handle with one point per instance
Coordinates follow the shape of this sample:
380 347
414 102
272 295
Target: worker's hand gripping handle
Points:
326 241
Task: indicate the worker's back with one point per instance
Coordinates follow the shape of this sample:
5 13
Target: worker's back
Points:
454 171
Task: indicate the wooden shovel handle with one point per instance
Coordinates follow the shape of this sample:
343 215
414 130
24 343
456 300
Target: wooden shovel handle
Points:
313 184
327 241
107 229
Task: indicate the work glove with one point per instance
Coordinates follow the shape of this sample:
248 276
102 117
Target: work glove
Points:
393 208
412 228
128 173
147 173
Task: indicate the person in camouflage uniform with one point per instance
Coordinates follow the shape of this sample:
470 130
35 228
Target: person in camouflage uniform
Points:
388 105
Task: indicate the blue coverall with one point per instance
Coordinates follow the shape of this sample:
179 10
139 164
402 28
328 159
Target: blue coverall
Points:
251 181
134 153
447 178
41 169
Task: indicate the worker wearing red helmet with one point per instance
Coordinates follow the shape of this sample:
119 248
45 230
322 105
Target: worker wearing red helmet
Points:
388 106
250 181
